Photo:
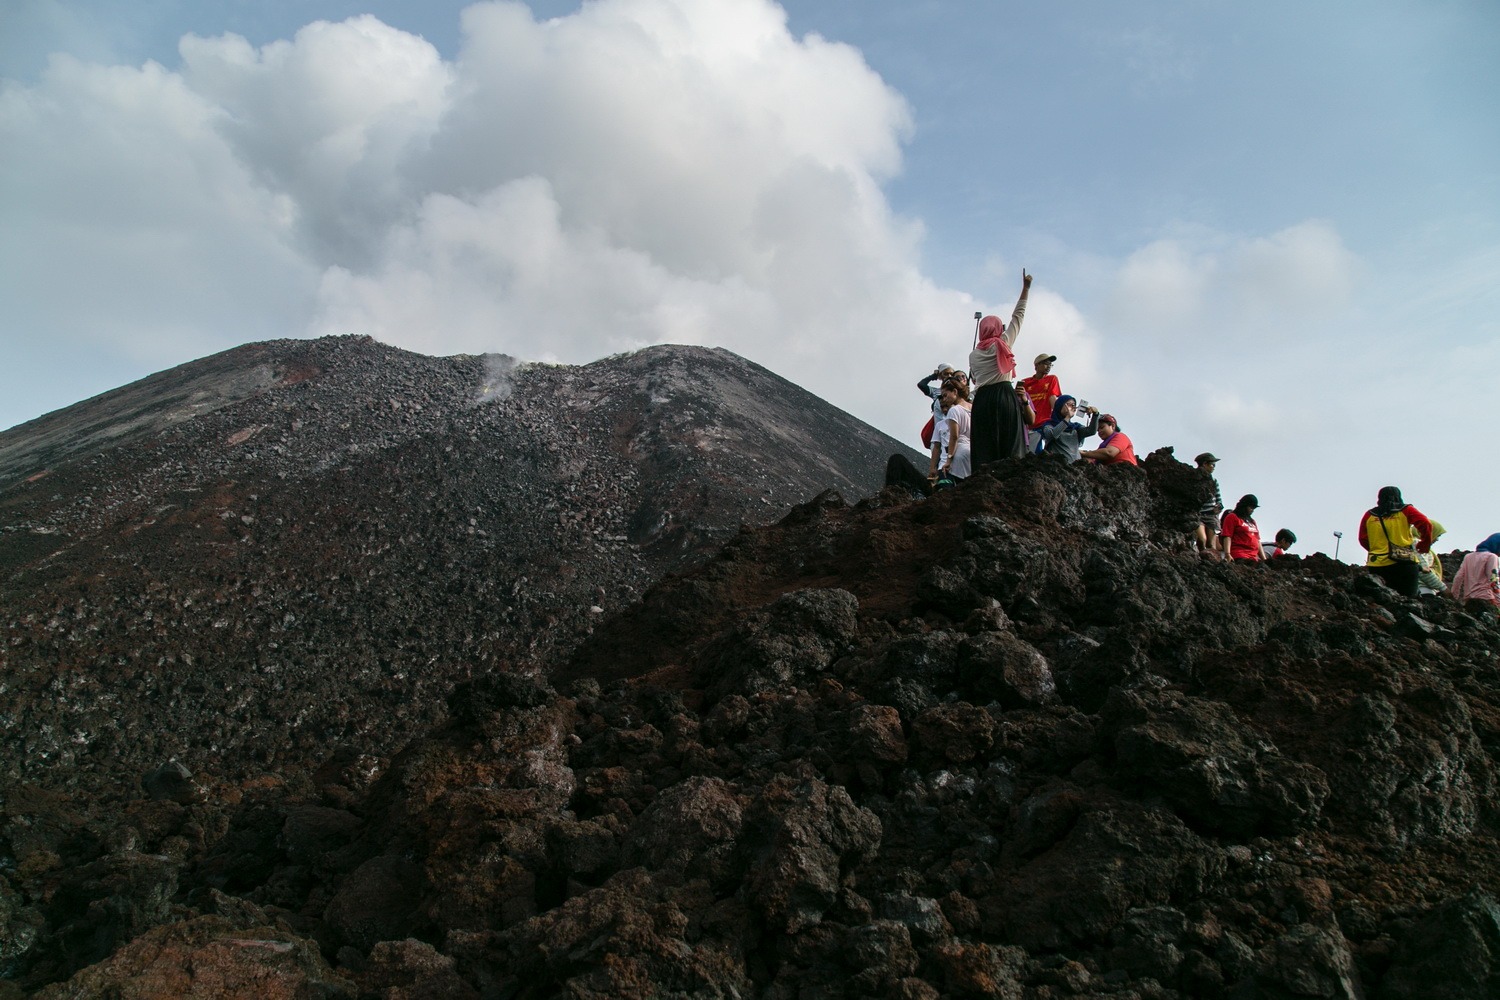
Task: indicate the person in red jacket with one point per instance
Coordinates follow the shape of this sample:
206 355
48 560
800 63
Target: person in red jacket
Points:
1043 390
1241 533
1393 532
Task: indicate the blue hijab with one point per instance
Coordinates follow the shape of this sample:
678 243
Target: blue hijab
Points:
1057 406
1490 545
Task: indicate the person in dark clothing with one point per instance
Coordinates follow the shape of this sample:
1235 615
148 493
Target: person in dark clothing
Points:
999 425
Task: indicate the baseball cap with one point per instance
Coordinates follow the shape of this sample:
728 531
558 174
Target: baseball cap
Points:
1207 456
1044 357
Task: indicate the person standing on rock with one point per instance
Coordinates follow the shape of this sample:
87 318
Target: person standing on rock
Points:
1393 532
999 425
1478 576
956 417
1114 447
1241 533
1206 536
1043 390
1060 436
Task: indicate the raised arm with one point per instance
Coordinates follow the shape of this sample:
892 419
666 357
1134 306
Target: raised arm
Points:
1013 328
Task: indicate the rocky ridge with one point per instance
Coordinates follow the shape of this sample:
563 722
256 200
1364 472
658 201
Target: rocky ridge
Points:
1010 741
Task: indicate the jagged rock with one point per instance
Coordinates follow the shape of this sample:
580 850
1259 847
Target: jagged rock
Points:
171 782
798 840
1306 961
376 902
207 958
1003 668
1198 756
689 828
1452 953
412 970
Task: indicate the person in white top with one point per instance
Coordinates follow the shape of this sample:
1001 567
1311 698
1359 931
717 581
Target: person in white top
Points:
956 451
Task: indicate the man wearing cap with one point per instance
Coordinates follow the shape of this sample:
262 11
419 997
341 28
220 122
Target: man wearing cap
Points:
1206 536
1043 390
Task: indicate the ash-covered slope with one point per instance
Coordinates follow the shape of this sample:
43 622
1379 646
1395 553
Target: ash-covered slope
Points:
1011 741
252 560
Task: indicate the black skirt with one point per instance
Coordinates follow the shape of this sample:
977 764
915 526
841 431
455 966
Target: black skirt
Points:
999 427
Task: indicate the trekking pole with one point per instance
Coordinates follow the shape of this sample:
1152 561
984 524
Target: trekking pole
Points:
976 331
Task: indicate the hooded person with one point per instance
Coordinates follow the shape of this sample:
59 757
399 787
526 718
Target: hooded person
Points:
1060 436
1395 533
1478 576
999 424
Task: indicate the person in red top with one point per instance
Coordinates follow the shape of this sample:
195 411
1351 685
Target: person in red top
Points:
1241 533
1393 532
1043 390
1114 447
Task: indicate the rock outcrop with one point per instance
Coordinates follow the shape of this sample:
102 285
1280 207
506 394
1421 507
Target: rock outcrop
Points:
1014 740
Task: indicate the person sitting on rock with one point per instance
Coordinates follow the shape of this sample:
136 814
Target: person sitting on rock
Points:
1206 535
1060 436
1284 540
1241 533
1114 447
1429 566
1042 392
1478 576
1394 532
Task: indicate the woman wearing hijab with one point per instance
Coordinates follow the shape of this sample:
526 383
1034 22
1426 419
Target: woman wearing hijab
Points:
1478 578
1241 533
1114 447
1394 532
1060 436
999 426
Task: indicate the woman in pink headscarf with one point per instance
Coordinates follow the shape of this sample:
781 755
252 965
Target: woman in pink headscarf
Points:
999 427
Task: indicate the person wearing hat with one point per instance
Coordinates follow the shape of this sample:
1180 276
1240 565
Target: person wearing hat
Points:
1114 447
1394 533
1043 390
1241 533
1206 535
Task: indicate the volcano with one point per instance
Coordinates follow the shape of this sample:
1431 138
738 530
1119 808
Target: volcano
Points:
1013 740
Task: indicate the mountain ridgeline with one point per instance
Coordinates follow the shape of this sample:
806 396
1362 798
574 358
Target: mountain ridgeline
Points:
336 671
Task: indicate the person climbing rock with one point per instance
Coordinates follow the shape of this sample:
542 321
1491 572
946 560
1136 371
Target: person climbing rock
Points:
1394 532
999 424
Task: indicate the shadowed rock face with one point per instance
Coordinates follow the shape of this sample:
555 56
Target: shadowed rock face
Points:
1009 741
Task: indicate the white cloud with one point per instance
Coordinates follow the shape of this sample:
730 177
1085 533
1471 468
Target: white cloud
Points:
1272 288
641 171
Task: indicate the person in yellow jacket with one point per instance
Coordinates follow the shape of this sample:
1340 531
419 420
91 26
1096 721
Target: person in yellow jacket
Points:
1395 533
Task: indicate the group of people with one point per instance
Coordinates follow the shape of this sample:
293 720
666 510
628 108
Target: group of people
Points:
986 414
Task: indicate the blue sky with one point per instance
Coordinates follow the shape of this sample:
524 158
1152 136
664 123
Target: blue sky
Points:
1268 230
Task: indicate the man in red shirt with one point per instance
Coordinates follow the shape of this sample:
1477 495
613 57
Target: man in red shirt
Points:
1042 389
1114 447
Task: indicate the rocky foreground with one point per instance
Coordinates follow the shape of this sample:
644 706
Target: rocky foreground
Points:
1012 741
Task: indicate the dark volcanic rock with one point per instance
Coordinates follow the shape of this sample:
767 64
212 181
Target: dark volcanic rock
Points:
1008 741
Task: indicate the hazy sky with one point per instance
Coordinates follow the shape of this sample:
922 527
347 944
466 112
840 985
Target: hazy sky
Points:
1269 230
